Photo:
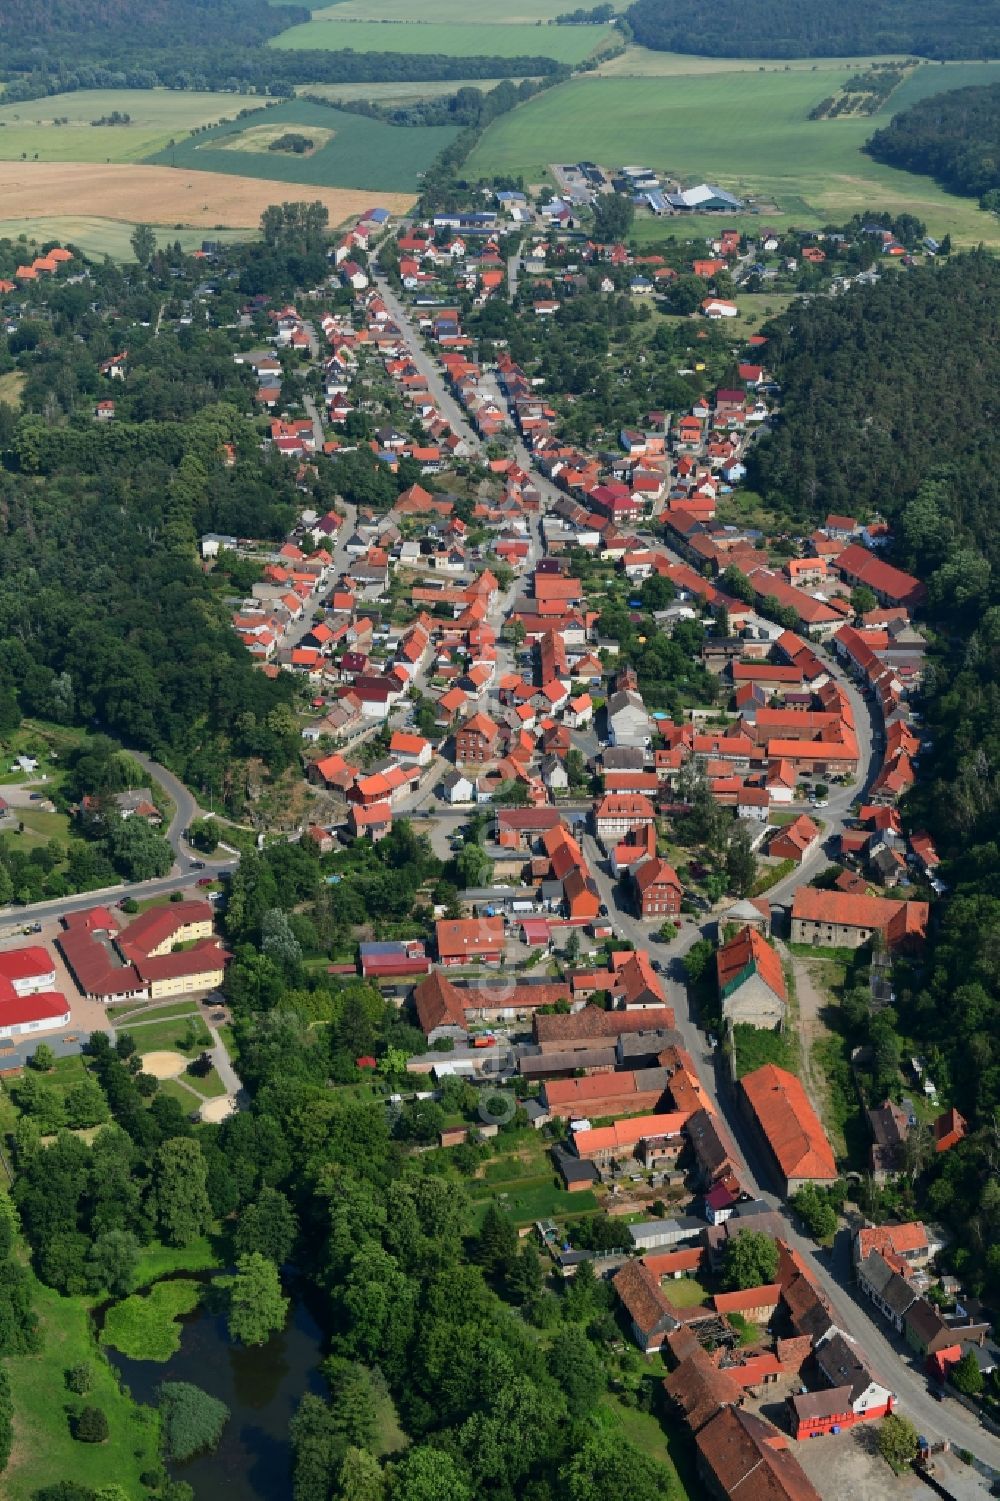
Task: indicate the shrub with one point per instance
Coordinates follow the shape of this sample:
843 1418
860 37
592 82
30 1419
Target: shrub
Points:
192 1420
91 1426
78 1378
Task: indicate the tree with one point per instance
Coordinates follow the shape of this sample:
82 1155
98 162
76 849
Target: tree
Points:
361 1477
268 1226
577 1370
816 1210
613 215
257 1308
86 1104
79 1378
179 1198
863 599
91 1425
428 1474
111 1262
608 1467
192 1420
750 1260
316 1449
741 863
897 1441
496 1244
965 1375
143 242
43 1059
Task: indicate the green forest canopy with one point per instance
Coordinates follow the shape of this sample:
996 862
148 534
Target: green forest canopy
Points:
953 137
788 28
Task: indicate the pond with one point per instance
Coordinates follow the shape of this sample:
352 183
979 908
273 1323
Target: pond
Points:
261 1388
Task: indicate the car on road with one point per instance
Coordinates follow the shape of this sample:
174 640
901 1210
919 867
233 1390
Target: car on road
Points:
197 865
32 927
657 966
38 797
205 881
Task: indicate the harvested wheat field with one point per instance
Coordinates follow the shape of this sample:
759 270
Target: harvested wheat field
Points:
171 196
164 1065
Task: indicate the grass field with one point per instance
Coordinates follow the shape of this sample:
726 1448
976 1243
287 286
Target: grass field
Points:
567 44
748 131
145 1326
44 1450
521 12
157 116
530 1199
641 62
362 153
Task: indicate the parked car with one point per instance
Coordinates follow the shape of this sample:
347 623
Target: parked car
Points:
205 881
32 927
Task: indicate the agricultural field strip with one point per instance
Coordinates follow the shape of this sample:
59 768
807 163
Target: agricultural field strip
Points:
567 44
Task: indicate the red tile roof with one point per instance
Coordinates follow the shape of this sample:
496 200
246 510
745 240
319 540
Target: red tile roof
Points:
789 1123
748 952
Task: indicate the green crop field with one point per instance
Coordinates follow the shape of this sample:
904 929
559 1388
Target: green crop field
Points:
936 78
747 131
362 153
157 116
567 44
522 12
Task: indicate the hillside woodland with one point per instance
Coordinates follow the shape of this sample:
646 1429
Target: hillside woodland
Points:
953 137
786 28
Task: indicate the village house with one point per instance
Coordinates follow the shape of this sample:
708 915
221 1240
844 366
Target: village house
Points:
788 1127
837 919
751 982
658 890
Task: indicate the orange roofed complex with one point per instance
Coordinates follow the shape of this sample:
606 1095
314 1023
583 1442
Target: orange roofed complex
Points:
112 963
841 920
789 1127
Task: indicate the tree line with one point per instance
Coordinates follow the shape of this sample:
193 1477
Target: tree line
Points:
784 28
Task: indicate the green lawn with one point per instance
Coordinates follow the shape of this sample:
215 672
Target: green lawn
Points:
361 153
400 91
537 1198
157 117
44 1450
145 1326
685 1292
154 1036
210 1088
567 44
755 1046
39 828
747 131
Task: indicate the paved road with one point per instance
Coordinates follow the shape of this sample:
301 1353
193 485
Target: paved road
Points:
311 411
426 364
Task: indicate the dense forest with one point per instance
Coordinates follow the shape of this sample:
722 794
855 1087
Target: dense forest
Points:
953 137
786 28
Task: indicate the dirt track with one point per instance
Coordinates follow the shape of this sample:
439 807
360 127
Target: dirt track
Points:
166 195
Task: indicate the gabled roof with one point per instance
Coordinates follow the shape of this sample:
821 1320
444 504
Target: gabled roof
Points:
750 1460
789 1123
745 955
